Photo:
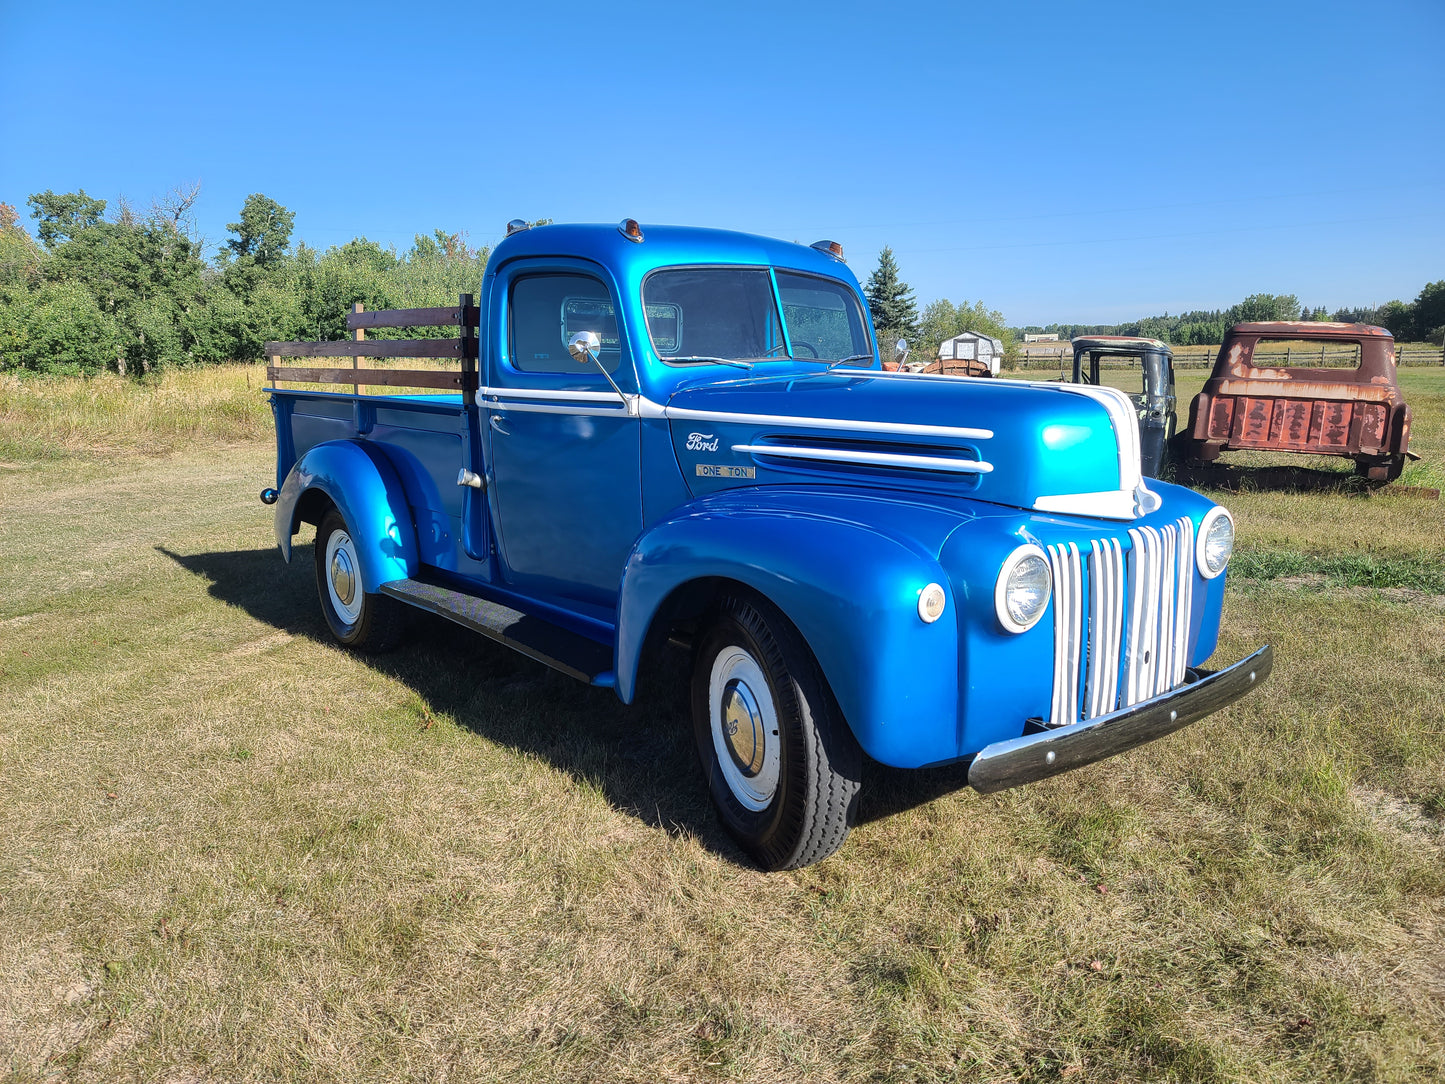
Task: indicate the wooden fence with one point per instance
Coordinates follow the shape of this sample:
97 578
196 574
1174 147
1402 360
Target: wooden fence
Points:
462 348
1325 356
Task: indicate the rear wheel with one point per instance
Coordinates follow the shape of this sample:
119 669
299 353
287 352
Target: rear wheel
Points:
356 617
782 766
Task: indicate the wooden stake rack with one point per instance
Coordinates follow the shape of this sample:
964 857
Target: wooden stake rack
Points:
463 348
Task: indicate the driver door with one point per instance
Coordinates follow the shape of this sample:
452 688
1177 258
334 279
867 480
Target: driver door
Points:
563 450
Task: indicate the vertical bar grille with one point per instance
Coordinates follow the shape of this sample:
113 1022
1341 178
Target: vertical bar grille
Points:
1121 621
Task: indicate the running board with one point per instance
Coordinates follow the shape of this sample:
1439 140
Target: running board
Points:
562 649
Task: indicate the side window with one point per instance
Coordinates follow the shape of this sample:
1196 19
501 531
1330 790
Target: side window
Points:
547 310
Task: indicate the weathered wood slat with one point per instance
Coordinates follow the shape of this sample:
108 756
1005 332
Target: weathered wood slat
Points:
358 335
390 378
441 317
370 348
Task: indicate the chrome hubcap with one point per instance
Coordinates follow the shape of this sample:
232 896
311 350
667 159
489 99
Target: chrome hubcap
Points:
744 725
343 580
343 577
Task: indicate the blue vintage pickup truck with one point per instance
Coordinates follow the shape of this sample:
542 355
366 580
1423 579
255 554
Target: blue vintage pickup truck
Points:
688 434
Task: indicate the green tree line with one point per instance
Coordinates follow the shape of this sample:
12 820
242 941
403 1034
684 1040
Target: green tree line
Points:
1422 320
99 288
896 315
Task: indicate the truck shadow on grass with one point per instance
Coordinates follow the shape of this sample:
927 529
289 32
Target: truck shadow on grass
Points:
639 756
1233 477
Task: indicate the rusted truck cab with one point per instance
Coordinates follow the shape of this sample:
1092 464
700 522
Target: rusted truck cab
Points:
1356 412
1154 403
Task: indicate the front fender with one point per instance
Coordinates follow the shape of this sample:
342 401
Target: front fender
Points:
851 591
364 486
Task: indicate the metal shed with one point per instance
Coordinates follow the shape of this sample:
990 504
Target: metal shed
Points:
973 353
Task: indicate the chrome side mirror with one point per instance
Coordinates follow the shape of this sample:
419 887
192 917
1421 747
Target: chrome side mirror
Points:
900 352
584 346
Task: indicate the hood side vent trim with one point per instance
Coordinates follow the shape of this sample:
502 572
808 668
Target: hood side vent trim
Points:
901 429
850 456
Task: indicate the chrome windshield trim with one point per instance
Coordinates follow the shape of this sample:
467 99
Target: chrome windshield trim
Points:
878 459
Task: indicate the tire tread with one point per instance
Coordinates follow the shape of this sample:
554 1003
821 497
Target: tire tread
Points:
817 825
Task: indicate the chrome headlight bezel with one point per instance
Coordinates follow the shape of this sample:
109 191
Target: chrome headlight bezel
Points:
1201 541
1001 587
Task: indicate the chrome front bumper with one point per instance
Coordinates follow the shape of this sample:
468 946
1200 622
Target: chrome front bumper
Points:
1010 763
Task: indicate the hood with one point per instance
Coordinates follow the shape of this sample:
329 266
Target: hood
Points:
1063 448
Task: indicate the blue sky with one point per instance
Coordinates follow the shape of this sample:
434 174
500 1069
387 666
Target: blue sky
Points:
1061 161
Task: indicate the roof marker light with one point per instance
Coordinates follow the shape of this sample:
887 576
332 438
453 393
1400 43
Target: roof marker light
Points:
629 229
517 225
829 248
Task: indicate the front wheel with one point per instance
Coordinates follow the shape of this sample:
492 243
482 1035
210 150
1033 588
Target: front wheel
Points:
782 766
356 617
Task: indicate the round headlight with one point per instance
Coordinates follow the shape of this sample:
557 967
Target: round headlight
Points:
1215 542
1023 589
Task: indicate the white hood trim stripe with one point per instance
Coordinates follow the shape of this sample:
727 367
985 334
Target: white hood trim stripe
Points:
1132 499
902 429
877 459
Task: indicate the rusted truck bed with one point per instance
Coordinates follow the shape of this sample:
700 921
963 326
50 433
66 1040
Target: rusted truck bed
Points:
1355 412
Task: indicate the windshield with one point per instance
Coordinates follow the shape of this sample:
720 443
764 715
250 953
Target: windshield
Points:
698 314
824 319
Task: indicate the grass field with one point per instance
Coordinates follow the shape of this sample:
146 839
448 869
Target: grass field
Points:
231 851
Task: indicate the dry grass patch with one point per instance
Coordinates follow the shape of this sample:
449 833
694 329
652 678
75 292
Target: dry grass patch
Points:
107 415
230 851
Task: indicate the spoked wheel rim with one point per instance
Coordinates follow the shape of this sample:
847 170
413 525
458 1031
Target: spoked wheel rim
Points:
744 723
343 577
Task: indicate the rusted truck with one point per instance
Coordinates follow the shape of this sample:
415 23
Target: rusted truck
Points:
1357 412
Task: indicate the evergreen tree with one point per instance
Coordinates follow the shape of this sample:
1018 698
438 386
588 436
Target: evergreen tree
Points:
890 299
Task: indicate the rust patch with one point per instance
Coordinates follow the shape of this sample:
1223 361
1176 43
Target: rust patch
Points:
1221 417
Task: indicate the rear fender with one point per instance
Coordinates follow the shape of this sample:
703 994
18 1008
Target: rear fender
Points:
359 480
851 591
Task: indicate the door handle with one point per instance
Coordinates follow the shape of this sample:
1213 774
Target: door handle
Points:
497 427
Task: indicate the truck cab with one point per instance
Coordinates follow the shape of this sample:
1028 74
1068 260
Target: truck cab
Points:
1154 402
687 434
